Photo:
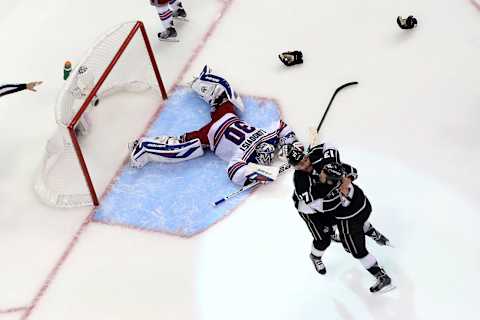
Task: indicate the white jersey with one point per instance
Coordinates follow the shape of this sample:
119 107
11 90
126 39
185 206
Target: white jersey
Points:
234 141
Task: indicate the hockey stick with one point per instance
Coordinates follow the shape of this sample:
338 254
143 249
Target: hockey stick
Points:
283 168
331 100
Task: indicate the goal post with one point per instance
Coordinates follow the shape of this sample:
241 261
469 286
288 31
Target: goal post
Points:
120 63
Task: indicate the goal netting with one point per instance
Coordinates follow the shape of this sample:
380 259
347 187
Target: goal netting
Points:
107 101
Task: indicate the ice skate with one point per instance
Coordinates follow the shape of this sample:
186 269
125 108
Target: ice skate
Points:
180 13
318 264
383 284
379 238
132 145
170 34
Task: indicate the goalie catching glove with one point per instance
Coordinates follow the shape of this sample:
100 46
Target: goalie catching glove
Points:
291 58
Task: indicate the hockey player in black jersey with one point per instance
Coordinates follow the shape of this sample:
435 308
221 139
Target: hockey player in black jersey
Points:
325 195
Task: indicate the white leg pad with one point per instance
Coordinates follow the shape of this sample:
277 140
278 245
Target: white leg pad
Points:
155 149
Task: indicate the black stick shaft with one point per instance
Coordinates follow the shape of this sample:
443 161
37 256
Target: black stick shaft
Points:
331 100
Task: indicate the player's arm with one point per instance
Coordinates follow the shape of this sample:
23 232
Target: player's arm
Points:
350 172
308 199
12 88
237 172
286 138
346 187
243 173
285 133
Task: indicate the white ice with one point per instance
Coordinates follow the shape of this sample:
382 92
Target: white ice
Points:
410 127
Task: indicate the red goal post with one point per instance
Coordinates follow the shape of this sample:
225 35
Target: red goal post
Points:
121 61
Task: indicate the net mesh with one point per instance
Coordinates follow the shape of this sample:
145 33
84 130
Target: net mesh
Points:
121 107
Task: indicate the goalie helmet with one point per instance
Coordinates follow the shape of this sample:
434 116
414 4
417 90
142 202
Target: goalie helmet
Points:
265 153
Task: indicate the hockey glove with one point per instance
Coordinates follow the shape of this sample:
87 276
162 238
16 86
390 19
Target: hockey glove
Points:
291 58
408 23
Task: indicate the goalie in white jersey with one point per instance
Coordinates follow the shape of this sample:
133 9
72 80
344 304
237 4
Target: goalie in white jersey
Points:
249 151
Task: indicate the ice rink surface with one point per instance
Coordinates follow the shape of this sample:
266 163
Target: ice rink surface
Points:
410 127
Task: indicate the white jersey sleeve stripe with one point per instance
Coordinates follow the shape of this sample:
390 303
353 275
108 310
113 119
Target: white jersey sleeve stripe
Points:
234 169
221 130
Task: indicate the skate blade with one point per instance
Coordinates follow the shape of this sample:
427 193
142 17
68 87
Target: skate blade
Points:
386 289
169 40
389 244
386 244
181 19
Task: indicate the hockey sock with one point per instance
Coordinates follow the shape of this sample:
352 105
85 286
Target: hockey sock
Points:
368 261
166 15
375 269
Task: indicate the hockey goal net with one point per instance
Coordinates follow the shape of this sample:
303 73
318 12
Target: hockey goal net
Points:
107 101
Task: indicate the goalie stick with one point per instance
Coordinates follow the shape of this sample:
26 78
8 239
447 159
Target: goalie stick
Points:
286 166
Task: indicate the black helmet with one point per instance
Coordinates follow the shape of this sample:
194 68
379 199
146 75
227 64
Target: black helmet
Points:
295 153
334 171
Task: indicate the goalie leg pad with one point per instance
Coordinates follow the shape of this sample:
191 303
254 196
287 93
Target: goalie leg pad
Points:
164 150
215 90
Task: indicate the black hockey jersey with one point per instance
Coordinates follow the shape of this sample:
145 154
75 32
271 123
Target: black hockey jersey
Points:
357 203
322 154
322 196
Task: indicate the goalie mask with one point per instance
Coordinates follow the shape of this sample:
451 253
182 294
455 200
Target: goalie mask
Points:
265 153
